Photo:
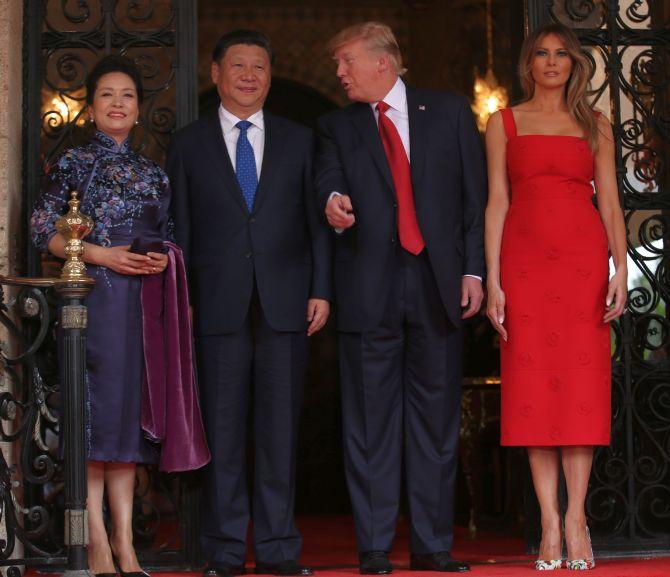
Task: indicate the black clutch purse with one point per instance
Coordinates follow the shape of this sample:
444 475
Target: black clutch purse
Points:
143 245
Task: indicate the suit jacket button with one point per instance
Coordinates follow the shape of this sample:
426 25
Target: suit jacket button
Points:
252 219
248 255
393 239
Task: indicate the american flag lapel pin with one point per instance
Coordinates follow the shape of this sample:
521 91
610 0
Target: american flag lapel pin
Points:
422 107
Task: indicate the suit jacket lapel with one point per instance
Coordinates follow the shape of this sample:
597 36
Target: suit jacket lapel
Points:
363 120
418 124
272 154
216 146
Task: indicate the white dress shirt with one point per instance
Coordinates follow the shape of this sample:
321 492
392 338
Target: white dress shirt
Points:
397 113
255 134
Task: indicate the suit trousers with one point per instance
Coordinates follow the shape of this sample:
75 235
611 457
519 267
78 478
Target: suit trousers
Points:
401 386
275 363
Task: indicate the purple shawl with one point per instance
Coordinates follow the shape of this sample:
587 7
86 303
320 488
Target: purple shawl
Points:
170 407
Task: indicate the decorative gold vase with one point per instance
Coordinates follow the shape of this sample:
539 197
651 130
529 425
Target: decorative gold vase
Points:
74 227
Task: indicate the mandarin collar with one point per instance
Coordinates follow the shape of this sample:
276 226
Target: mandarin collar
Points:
108 143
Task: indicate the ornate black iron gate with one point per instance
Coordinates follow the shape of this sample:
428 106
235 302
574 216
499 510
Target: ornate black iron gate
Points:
62 41
629 43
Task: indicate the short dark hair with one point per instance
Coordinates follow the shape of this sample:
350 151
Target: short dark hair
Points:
113 63
249 37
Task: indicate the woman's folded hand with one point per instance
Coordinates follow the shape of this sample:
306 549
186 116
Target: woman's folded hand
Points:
120 260
158 262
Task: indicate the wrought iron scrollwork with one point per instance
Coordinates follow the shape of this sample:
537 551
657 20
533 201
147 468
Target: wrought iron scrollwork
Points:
77 14
580 10
578 13
28 416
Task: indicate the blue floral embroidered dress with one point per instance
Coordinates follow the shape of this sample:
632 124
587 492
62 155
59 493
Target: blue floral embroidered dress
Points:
127 195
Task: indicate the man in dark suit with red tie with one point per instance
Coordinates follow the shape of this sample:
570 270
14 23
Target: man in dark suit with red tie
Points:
400 175
259 261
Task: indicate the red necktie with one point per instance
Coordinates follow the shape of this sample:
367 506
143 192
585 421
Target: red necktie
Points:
409 232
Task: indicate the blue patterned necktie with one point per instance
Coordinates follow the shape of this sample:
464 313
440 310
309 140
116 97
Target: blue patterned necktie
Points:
245 164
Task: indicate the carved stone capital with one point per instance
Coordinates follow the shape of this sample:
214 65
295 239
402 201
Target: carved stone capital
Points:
76 527
74 317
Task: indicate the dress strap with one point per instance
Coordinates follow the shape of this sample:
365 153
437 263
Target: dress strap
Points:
508 122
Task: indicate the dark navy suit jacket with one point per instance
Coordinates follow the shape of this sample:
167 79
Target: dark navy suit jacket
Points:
449 183
283 243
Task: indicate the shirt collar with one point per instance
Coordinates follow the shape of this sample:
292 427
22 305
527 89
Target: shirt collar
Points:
229 120
396 97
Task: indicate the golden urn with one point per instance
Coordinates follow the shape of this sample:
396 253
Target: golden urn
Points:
74 227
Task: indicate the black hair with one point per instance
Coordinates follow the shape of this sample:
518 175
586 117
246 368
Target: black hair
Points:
249 37
113 63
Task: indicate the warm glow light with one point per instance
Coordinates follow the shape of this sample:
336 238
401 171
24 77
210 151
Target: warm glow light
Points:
489 97
62 108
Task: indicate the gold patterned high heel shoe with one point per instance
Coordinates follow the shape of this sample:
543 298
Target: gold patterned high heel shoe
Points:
582 564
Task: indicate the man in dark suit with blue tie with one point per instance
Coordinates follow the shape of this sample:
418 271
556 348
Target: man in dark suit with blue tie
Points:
259 260
400 175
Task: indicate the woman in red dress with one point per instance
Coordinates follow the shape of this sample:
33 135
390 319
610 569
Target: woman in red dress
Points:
548 291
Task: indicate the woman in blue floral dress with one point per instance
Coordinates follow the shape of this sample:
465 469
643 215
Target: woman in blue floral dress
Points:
127 195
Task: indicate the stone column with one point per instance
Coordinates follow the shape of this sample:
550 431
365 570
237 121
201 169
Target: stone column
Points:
11 229
11 42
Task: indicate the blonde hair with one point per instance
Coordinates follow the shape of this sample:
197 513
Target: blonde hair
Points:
577 88
378 37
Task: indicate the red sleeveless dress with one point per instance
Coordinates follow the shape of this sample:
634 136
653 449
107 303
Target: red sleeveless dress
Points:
556 369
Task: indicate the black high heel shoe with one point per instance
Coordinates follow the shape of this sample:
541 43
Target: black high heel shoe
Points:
133 573
123 573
